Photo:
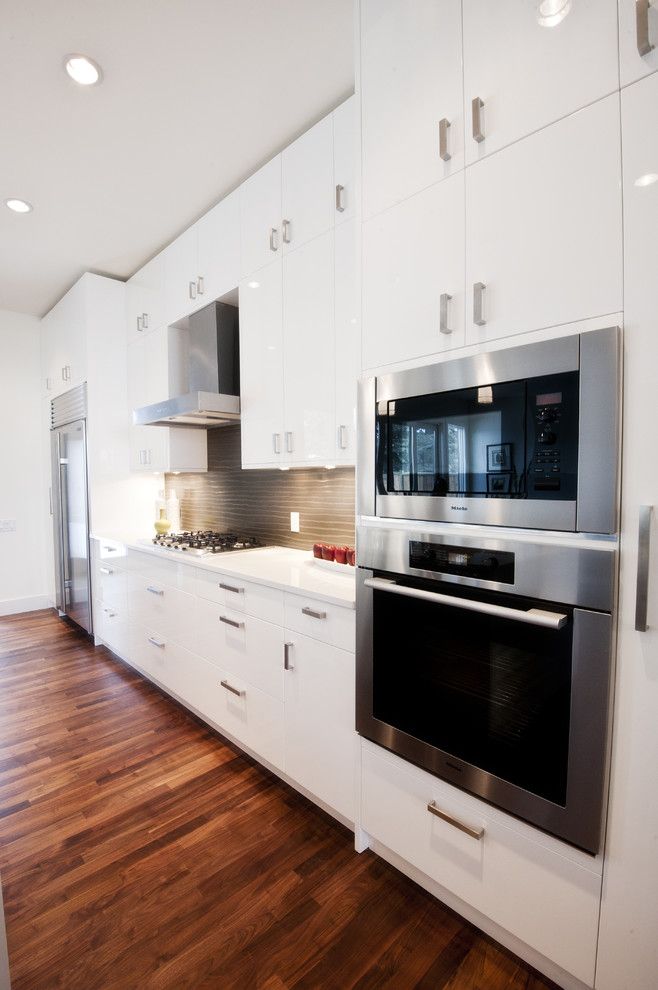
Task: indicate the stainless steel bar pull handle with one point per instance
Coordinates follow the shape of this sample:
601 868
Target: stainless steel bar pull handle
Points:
106 570
231 587
643 560
644 43
199 285
231 622
155 591
444 302
285 225
276 437
533 617
444 128
340 202
274 239
287 663
475 833
139 324
290 446
157 642
477 106
192 290
478 304
145 321
313 614
233 690
342 436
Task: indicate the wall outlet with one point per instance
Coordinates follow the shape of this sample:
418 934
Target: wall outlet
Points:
9 525
294 522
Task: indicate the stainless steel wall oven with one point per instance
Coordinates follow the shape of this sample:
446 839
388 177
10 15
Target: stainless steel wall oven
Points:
525 437
488 662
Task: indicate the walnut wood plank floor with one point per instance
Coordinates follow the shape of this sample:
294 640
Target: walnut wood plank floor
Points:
137 849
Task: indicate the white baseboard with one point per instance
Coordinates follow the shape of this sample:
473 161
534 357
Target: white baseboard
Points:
11 606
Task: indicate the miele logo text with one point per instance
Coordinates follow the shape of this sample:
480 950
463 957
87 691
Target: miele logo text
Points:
459 508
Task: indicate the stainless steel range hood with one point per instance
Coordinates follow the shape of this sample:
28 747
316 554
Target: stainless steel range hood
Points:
214 375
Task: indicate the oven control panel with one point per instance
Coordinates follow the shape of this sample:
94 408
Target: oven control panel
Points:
473 562
553 418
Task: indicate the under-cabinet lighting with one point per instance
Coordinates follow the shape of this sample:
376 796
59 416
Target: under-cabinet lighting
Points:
647 179
552 12
83 70
485 395
330 467
283 468
254 285
19 205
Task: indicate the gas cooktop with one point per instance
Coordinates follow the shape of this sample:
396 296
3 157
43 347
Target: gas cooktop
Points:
199 543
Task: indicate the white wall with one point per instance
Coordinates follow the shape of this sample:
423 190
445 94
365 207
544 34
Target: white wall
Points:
22 553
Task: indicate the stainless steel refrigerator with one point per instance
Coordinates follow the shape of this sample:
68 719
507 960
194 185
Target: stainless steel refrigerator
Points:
70 506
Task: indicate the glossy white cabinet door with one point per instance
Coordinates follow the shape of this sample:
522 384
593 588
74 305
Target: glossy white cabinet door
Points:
145 299
412 255
347 328
181 274
260 217
261 367
634 33
345 120
309 362
543 227
411 79
320 740
219 249
528 74
307 186
628 948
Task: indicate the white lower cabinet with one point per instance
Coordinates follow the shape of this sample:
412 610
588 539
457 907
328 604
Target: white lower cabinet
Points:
319 721
548 900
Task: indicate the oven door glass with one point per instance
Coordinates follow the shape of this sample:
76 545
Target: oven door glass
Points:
493 692
508 440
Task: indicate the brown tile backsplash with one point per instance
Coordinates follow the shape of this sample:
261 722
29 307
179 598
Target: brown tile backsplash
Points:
259 503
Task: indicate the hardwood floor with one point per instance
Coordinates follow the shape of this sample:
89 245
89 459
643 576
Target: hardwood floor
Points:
137 849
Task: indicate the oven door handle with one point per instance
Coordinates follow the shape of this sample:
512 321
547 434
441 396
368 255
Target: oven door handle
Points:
533 617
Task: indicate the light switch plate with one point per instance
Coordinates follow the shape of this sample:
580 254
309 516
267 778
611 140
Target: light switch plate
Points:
294 522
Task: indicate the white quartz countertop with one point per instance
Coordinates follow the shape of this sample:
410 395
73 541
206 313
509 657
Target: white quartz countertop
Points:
278 567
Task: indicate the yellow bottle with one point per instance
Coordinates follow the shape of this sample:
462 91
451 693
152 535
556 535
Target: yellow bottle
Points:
162 525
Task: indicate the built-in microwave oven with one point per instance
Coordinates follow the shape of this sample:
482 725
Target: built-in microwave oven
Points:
526 436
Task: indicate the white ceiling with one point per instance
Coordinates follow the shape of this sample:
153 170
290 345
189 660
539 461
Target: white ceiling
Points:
196 95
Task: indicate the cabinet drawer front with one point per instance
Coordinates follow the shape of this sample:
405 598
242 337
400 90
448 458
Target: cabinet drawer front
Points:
160 658
256 599
242 644
110 585
329 623
162 608
251 716
111 625
157 570
514 881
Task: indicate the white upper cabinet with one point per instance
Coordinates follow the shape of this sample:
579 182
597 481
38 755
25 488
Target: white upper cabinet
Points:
218 262
628 949
412 97
307 186
523 74
413 276
345 121
260 217
347 320
638 39
544 228
64 332
145 299
261 368
309 349
181 276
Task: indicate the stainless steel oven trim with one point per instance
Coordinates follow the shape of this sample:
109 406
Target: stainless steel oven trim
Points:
580 821
552 572
596 354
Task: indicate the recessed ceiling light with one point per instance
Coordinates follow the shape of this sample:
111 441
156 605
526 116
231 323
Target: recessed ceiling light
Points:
19 205
646 180
83 70
552 12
